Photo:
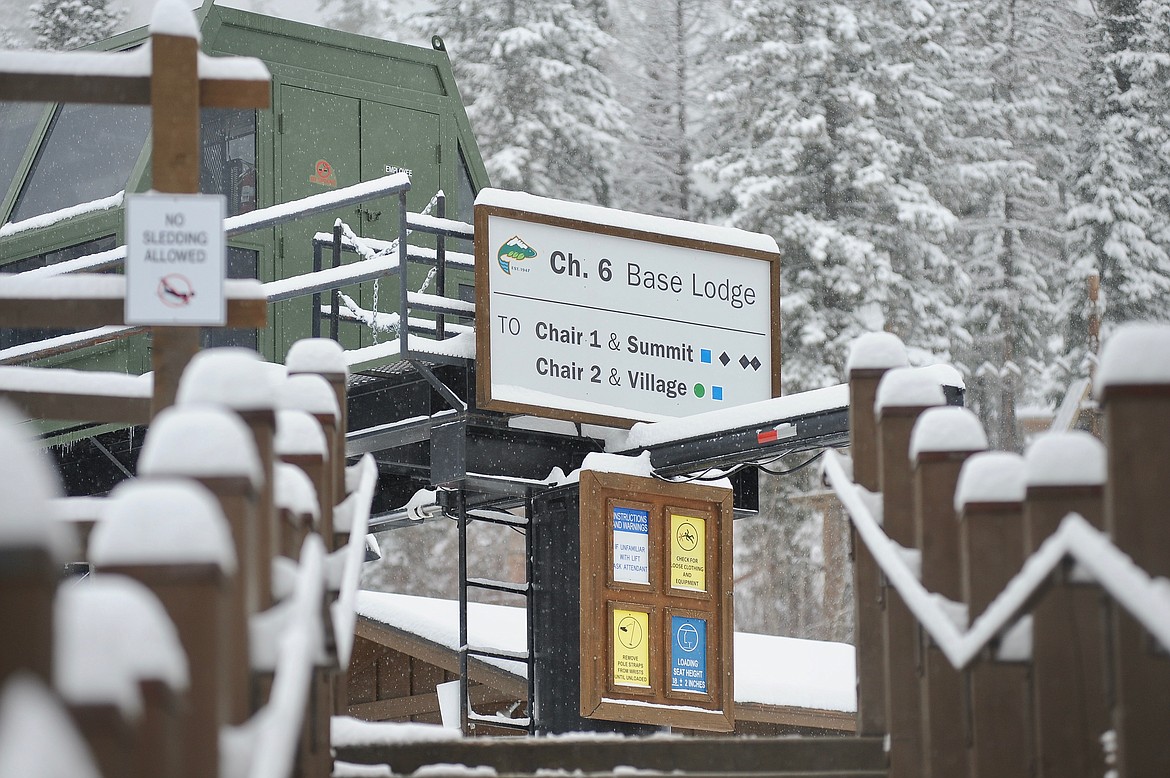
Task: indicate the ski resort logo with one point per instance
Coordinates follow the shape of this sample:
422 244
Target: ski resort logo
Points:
514 250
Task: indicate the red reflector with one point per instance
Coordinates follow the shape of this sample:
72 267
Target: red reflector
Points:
768 436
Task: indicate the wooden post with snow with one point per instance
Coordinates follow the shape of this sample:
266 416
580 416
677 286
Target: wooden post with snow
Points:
326 358
312 395
989 498
172 84
1066 474
902 396
300 442
214 448
186 561
942 441
1133 383
869 359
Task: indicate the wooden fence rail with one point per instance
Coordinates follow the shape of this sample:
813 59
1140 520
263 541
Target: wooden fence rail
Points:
1013 613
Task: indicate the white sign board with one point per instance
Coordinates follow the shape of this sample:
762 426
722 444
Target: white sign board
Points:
591 314
631 545
175 259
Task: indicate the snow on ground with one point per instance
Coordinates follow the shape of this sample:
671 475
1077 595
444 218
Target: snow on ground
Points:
769 670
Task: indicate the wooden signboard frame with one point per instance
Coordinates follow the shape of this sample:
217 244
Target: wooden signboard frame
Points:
658 703
483 331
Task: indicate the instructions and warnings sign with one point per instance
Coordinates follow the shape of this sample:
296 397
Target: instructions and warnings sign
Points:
175 259
688 654
631 545
688 553
631 648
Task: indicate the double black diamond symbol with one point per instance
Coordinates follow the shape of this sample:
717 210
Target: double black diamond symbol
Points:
754 362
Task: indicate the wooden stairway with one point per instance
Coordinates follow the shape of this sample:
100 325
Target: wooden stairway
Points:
830 757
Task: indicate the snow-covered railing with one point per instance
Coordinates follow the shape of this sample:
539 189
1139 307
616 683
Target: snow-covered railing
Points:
980 577
266 745
352 515
1145 597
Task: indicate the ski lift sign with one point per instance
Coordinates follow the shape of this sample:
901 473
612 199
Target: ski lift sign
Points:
596 315
175 260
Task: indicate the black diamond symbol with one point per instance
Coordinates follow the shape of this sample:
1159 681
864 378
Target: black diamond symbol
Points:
743 362
755 363
724 358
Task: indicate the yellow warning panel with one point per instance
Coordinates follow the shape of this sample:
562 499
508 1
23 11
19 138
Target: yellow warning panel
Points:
688 553
631 648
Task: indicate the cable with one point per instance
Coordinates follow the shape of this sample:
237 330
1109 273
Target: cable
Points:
803 464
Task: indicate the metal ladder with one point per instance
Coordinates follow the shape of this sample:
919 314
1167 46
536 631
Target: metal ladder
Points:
491 512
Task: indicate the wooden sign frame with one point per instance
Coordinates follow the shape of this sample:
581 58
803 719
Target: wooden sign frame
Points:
483 343
659 704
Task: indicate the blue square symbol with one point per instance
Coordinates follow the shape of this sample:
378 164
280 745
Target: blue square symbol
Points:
705 355
716 392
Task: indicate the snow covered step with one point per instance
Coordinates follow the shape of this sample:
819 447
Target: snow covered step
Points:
498 653
498 517
498 586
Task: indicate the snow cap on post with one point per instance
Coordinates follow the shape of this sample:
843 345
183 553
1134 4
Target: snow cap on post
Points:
235 378
37 736
1137 355
28 482
111 632
163 521
907 387
990 476
876 351
295 492
317 355
307 392
1065 459
948 428
200 441
298 434
171 17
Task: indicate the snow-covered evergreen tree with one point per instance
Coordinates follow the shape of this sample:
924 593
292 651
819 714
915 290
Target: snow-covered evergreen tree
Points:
1119 222
657 73
823 138
69 24
543 111
1012 114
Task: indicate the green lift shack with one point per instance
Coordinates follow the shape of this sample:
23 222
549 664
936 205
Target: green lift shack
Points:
345 109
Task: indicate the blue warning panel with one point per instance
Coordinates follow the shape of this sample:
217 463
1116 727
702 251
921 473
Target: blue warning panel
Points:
688 654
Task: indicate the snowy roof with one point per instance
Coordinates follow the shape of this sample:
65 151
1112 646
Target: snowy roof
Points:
769 670
990 476
160 521
110 632
37 736
948 428
1065 459
298 434
232 377
28 482
876 351
307 392
611 217
294 491
908 387
200 441
1137 354
316 355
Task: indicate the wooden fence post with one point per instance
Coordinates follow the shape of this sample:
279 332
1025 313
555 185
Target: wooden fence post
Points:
312 394
170 535
237 379
902 396
870 357
28 565
296 502
989 498
326 358
213 447
1133 382
1066 474
301 442
942 441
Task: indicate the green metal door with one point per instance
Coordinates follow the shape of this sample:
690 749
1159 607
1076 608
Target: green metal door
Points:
394 139
319 149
